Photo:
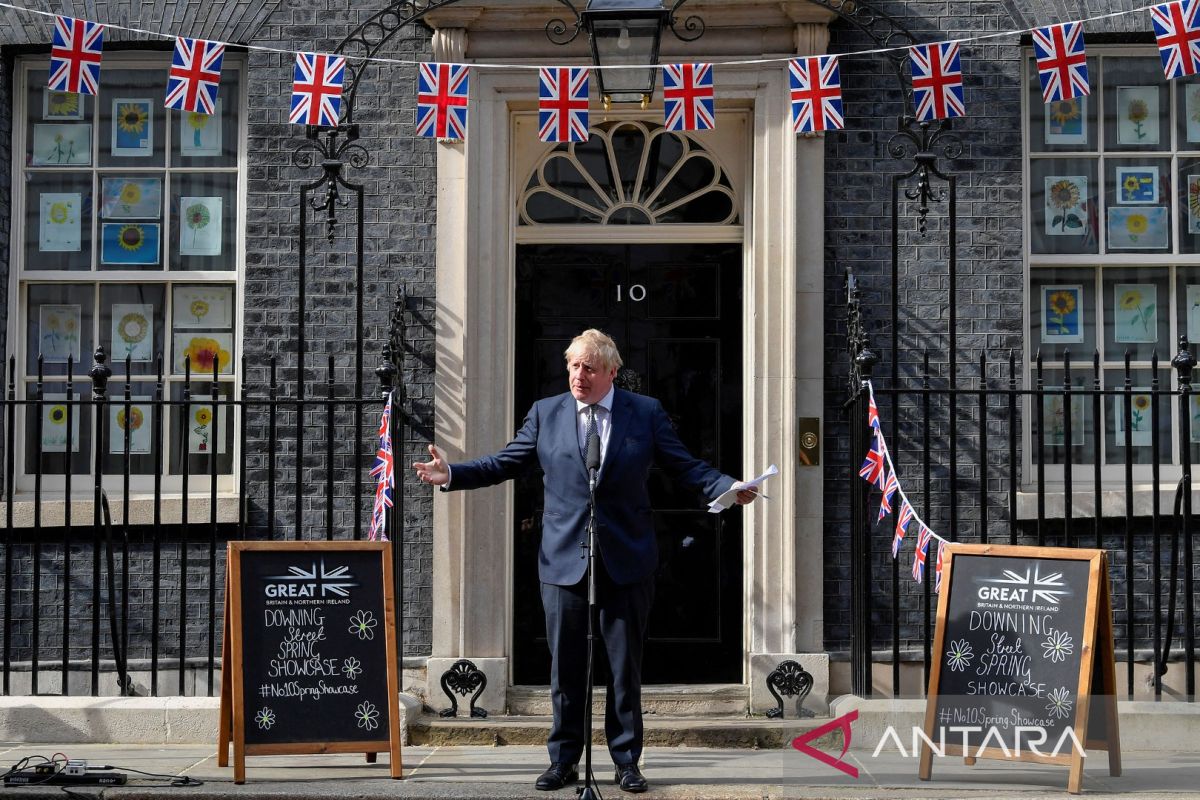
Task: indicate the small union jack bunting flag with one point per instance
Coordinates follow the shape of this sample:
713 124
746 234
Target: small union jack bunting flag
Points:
1178 37
442 100
923 537
384 471
937 568
937 81
890 486
873 468
688 103
563 104
317 89
872 409
75 56
1061 61
816 91
902 519
195 75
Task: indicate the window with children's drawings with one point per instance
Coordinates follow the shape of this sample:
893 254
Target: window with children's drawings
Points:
125 236
1112 248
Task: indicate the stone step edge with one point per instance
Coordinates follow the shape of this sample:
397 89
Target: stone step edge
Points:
660 731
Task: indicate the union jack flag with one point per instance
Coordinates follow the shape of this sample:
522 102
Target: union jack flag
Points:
872 409
1061 62
442 101
75 56
688 103
317 89
563 104
1178 37
873 468
889 491
816 88
923 537
384 470
937 568
902 519
195 75
937 81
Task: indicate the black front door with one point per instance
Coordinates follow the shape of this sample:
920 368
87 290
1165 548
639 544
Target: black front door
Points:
675 312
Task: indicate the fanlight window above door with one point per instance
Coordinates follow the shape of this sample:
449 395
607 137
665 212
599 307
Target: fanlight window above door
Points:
629 173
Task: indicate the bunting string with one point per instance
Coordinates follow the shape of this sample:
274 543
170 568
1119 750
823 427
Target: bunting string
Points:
689 99
879 470
526 66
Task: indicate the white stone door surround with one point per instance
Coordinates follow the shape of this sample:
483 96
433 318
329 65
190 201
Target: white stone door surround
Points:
783 343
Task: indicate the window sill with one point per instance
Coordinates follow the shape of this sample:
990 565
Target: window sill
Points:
1112 502
141 510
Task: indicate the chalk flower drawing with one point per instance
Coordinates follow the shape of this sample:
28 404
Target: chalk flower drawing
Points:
265 719
1060 702
1058 646
362 625
352 667
960 655
367 715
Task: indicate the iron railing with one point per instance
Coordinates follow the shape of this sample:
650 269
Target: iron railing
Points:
166 569
972 453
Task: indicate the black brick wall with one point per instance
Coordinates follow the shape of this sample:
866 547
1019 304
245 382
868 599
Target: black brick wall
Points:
399 237
988 300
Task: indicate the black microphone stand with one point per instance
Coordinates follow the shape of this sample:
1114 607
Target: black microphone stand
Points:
589 790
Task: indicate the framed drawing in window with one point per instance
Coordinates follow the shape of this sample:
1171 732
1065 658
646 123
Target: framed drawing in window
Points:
132 126
1062 314
61 145
1066 121
200 134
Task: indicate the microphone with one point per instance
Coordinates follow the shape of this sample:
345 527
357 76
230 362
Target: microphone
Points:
593 451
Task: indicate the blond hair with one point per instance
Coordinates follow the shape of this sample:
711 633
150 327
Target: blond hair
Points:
597 344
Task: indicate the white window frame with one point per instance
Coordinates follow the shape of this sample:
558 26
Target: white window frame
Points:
1112 475
141 485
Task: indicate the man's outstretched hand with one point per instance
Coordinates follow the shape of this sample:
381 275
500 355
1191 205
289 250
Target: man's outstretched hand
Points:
747 495
435 472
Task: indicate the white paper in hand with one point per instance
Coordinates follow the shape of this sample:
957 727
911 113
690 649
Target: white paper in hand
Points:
730 497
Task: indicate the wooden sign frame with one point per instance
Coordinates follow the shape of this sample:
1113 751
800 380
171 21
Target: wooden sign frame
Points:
232 720
1097 673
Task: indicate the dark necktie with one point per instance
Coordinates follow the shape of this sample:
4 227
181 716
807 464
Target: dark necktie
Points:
588 429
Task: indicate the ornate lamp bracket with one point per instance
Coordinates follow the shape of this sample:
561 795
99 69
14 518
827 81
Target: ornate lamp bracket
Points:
925 143
334 147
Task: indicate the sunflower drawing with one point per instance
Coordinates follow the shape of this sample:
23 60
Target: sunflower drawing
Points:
199 310
1063 197
1062 306
203 418
132 118
131 237
1131 300
133 422
132 328
58 414
1064 111
1137 113
197 218
59 212
197 122
205 353
63 104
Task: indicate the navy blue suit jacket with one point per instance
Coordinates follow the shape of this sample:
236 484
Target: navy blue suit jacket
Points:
640 436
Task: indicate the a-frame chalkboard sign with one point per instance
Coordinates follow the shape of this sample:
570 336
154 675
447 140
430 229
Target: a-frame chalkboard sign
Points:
1023 659
309 663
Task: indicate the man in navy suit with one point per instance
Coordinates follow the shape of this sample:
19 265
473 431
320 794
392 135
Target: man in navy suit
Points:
635 434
